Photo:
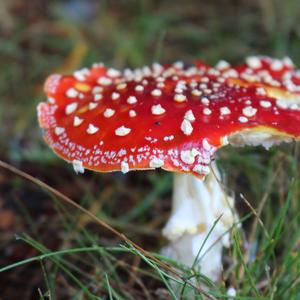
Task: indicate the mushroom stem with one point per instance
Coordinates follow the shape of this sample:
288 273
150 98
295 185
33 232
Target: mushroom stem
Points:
199 207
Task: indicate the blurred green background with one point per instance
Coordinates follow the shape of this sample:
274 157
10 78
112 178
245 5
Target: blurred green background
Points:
40 37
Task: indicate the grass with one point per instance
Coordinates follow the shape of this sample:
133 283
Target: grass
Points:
270 271
50 249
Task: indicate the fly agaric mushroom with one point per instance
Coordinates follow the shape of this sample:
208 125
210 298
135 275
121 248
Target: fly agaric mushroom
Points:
173 118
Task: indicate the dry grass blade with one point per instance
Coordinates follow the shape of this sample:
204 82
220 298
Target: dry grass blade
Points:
256 214
101 223
262 203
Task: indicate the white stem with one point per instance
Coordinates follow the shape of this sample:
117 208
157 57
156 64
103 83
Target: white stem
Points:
197 205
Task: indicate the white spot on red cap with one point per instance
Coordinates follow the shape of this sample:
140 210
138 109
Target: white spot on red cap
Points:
122 131
131 100
261 91
178 65
201 169
98 97
121 86
108 112
224 111
179 98
253 62
265 103
228 73
124 167
276 65
132 113
205 101
249 111
78 166
186 127
139 88
156 162
178 90
157 110
156 93
92 129
288 62
188 156
196 92
51 100
113 72
59 130
207 111
104 81
70 108
222 64
71 93
92 105
81 74
77 121
243 119
282 104
206 145
115 96
189 116
97 89
169 138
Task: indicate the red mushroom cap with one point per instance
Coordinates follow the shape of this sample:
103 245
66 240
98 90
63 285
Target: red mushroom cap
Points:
161 116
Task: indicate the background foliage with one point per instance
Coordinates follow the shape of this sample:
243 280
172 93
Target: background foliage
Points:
39 37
